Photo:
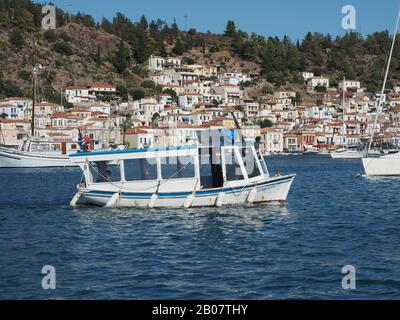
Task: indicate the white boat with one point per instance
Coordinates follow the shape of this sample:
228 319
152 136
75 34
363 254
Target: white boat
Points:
187 176
37 154
348 154
40 153
388 165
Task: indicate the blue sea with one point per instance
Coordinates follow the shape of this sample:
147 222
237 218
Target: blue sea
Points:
333 217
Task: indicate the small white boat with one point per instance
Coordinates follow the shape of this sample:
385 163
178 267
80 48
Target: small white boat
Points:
348 154
388 165
187 176
353 153
40 153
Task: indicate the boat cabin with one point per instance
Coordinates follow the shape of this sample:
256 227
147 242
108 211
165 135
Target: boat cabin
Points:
172 169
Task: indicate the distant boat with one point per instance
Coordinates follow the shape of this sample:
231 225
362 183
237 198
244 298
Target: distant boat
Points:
41 153
349 153
310 153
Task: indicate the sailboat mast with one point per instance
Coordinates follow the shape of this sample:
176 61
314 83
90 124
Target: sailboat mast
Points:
343 108
34 72
379 109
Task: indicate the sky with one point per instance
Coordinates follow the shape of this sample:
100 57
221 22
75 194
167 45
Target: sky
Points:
267 17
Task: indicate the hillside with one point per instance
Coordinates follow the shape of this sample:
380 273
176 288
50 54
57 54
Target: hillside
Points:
81 51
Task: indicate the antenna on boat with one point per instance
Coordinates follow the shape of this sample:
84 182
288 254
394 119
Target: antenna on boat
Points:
380 107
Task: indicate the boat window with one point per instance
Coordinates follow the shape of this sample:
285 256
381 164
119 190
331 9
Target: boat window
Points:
106 171
250 163
177 167
232 166
140 169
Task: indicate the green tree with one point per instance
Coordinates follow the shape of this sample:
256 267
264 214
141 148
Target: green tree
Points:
125 126
121 58
143 23
266 123
230 29
17 39
63 48
178 48
98 57
155 118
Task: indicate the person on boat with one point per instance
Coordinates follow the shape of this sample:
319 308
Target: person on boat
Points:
105 176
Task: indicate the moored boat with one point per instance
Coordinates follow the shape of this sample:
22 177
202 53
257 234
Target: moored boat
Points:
187 176
388 165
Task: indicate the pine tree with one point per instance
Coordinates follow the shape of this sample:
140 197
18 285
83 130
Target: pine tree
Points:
121 61
143 23
230 29
178 49
98 57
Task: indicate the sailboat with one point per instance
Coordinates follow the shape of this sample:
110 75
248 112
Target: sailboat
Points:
388 165
347 152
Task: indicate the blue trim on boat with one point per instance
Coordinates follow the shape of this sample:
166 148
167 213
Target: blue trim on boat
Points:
185 194
100 153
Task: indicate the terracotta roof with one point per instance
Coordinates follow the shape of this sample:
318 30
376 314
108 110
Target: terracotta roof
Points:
18 99
136 131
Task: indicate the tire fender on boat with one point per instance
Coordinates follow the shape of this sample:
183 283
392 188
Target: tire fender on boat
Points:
188 201
252 195
152 201
113 200
75 199
220 200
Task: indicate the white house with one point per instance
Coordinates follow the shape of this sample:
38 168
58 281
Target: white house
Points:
77 94
233 78
318 82
307 76
11 111
272 140
160 63
187 100
349 85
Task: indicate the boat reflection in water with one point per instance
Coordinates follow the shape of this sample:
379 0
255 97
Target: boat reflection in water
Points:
220 169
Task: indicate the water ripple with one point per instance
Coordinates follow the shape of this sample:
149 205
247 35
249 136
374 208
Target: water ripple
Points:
332 218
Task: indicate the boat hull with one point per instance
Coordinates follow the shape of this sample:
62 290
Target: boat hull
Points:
347 155
384 166
274 189
19 160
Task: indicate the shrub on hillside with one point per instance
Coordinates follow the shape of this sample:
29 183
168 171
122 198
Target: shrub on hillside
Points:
63 48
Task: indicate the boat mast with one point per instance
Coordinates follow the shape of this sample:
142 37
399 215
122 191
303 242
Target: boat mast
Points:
380 107
34 81
343 108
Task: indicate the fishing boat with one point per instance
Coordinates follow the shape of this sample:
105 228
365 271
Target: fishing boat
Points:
201 175
40 153
37 154
387 165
